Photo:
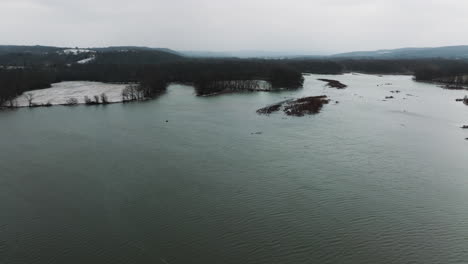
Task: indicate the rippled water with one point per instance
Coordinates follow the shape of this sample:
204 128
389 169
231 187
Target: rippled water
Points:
365 181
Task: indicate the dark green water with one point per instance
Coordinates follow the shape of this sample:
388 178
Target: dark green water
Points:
365 181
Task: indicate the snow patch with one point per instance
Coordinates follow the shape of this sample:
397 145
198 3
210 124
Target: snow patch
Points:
61 92
87 60
77 51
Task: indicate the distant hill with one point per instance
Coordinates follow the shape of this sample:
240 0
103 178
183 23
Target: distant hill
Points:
135 48
449 52
46 55
7 49
246 54
26 55
136 57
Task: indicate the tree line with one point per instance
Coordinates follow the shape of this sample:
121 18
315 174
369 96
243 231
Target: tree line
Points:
211 76
14 82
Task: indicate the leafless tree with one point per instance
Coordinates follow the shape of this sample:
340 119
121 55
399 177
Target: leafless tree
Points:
71 101
132 92
104 98
12 102
30 98
87 100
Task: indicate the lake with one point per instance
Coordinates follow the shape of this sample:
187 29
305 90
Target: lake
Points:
364 181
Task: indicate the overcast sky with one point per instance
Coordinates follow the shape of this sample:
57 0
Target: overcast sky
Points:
310 26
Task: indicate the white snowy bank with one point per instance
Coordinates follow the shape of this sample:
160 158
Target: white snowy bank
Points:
87 60
77 51
61 92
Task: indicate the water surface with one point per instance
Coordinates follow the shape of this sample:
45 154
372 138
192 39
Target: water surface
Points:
364 181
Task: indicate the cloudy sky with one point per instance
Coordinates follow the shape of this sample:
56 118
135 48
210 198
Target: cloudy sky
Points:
313 26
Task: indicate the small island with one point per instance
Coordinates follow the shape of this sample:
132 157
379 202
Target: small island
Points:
334 83
298 107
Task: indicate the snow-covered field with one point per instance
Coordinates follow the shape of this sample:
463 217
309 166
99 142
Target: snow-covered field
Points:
77 51
61 92
84 61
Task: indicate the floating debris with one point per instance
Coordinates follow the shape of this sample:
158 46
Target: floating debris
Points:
334 83
299 107
389 97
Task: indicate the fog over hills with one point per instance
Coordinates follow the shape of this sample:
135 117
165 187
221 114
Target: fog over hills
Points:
451 52
448 52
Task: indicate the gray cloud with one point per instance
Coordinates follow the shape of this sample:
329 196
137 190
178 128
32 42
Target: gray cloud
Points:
293 25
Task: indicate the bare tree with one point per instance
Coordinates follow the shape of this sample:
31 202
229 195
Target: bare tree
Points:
125 95
87 100
96 99
132 92
71 101
12 102
104 98
30 98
